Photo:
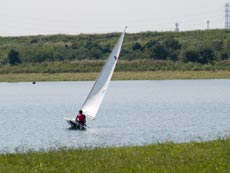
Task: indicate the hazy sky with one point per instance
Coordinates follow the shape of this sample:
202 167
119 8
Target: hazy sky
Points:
33 17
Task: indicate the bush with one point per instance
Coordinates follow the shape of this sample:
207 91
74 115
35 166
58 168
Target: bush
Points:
13 57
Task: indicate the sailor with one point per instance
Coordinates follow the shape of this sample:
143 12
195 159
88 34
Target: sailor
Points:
81 118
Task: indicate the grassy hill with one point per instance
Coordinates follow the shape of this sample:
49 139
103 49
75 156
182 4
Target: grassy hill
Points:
147 51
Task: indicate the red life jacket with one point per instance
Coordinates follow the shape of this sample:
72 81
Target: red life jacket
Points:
81 118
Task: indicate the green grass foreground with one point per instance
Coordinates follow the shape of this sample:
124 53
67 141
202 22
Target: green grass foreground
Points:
148 75
213 156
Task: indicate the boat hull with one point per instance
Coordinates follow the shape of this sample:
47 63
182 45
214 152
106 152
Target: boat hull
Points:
75 125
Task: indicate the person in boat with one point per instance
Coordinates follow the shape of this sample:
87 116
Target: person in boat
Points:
81 118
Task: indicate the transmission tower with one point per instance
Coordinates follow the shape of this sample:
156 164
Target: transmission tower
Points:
177 27
208 22
227 16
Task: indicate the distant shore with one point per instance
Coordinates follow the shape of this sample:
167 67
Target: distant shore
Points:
148 75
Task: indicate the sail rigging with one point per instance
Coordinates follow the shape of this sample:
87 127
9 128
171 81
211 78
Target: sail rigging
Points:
96 95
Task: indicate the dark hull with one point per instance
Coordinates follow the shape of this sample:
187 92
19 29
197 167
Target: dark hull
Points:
76 125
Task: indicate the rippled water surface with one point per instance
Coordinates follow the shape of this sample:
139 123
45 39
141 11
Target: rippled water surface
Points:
132 113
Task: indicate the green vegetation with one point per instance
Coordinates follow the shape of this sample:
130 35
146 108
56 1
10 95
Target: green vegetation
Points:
143 56
213 156
147 51
122 66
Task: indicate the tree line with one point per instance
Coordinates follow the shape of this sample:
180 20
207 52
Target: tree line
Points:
201 47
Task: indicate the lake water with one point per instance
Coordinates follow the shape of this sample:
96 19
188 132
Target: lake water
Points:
132 113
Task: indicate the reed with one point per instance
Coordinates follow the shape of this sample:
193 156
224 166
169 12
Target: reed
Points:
85 66
213 156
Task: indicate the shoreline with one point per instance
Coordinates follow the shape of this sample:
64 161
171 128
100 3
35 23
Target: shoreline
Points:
91 76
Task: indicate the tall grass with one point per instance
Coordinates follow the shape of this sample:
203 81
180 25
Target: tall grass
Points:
211 156
122 66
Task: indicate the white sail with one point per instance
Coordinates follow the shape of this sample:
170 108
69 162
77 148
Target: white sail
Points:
96 95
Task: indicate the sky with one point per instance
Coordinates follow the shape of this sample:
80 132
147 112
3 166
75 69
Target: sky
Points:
36 17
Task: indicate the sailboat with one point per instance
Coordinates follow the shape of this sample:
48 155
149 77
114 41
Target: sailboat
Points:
97 93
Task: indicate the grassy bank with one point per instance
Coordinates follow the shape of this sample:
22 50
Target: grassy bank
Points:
211 156
86 66
149 75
